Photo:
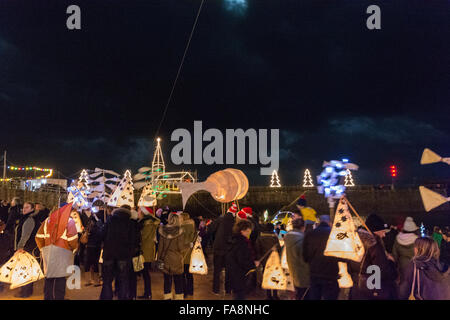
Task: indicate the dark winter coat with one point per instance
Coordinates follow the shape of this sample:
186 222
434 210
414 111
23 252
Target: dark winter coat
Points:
239 262
222 229
172 249
389 240
14 214
4 213
119 236
374 254
314 244
264 243
445 252
299 269
434 281
95 230
256 230
25 233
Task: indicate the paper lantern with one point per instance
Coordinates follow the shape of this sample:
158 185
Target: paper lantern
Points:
344 241
284 263
148 198
274 276
20 270
431 199
123 194
198 263
224 186
345 280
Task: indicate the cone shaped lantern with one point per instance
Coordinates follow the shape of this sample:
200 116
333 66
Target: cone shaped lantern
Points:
274 275
198 263
344 241
20 270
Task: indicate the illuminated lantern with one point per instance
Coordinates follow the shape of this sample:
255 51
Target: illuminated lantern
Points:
429 156
345 280
20 270
344 241
123 194
148 197
224 186
274 277
431 199
284 263
198 263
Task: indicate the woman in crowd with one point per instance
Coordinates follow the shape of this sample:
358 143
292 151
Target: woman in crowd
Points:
426 278
171 252
189 235
403 249
239 261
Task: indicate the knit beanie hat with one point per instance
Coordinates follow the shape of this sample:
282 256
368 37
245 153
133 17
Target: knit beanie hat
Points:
375 223
301 201
146 210
409 225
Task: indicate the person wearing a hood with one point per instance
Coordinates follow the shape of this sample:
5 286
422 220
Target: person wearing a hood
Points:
426 278
239 260
190 236
374 254
299 269
119 241
149 226
266 242
221 230
171 253
403 249
24 234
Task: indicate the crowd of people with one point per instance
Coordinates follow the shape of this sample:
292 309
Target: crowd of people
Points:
117 246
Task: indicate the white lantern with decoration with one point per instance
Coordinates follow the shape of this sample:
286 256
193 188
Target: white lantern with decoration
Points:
20 270
274 276
198 264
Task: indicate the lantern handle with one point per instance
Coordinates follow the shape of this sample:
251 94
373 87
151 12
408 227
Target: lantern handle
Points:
362 221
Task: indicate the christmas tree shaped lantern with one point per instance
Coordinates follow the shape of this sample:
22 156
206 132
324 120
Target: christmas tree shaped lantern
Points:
123 194
198 263
348 181
274 277
148 197
275 180
307 179
344 241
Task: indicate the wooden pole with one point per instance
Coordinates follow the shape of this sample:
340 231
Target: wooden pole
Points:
353 209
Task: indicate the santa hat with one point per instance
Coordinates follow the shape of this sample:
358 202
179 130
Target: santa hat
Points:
242 215
146 210
302 201
233 209
248 211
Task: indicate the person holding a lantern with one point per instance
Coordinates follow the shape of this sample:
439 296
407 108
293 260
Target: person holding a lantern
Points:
239 260
374 254
221 230
24 234
267 241
323 270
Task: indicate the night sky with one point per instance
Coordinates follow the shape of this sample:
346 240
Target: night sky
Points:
94 97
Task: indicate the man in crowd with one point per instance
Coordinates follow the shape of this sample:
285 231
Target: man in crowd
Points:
308 213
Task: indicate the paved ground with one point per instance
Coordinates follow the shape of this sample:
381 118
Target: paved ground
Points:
202 290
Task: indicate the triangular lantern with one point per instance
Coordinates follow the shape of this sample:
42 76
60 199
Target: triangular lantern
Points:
344 241
198 263
431 199
123 194
274 277
20 270
429 156
147 198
